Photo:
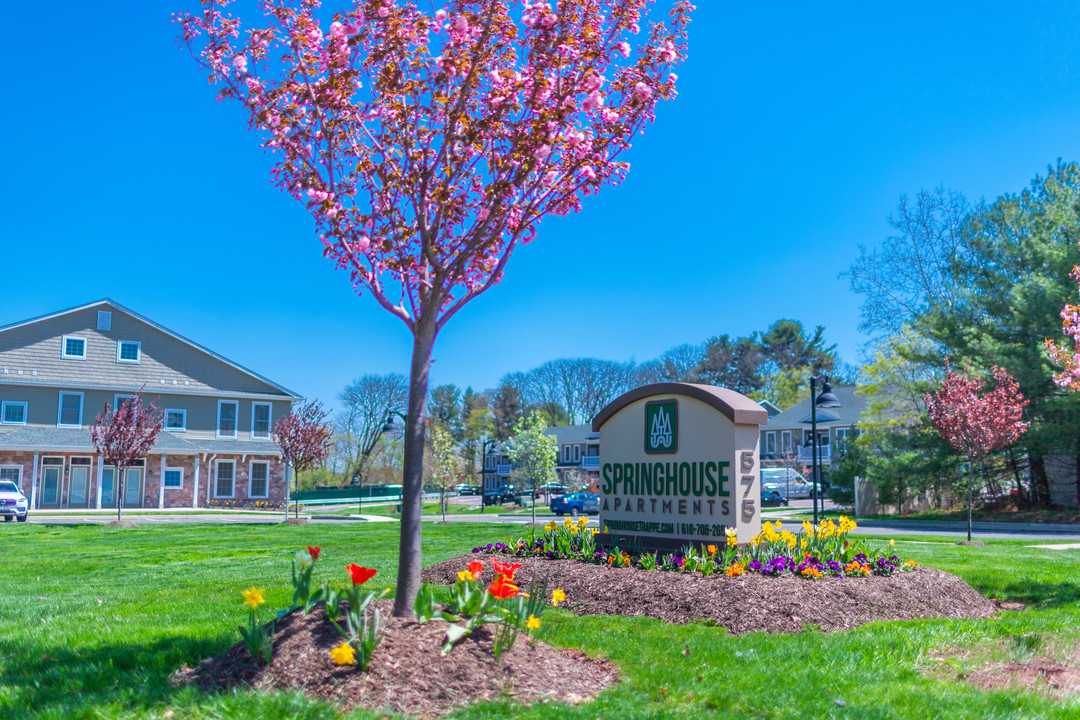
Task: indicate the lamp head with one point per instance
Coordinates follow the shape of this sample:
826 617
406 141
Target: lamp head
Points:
826 399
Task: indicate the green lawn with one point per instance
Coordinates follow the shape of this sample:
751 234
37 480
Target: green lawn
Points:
96 620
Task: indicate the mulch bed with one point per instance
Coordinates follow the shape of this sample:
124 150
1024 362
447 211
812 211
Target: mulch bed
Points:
748 603
408 674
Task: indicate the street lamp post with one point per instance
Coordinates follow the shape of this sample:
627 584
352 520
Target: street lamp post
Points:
388 426
825 400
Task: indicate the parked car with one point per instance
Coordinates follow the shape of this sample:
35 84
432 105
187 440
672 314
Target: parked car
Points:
790 483
772 498
576 504
552 489
499 495
469 489
13 504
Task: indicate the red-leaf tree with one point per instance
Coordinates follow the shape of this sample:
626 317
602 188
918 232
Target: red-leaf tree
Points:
977 425
124 436
305 440
428 145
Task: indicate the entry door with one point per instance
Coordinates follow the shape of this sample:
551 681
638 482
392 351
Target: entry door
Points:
51 477
133 488
79 479
108 487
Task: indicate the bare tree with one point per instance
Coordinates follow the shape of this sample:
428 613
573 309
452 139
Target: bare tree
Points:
367 403
679 364
909 272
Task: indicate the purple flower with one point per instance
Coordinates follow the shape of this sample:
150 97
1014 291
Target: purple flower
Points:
755 566
834 567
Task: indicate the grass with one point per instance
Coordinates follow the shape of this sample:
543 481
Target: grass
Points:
97 619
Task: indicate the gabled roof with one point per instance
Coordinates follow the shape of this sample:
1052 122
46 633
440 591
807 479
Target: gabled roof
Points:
290 395
565 434
798 415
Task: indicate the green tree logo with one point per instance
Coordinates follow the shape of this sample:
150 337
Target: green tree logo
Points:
661 427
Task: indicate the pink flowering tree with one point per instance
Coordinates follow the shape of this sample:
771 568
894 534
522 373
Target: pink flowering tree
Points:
1069 361
305 439
125 435
973 424
429 143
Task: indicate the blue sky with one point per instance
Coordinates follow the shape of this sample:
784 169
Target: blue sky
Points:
797 128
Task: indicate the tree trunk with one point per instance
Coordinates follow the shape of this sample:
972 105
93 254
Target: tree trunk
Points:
1040 484
120 472
409 548
971 479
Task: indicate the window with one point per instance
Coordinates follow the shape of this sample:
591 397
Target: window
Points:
566 453
128 351
70 411
118 400
843 437
259 479
577 453
104 320
176 420
223 488
11 473
173 478
226 419
785 442
13 413
73 347
770 443
260 420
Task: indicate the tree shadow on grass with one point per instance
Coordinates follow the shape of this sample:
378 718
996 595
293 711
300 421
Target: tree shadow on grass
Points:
1033 593
38 679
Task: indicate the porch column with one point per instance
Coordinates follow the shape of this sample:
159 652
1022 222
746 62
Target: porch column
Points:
33 483
100 478
161 485
195 484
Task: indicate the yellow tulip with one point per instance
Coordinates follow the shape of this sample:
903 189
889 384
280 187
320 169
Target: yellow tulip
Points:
253 597
343 654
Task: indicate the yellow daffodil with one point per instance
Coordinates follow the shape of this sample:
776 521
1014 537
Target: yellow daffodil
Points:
253 597
557 596
533 623
583 521
343 654
892 543
779 524
594 532
566 522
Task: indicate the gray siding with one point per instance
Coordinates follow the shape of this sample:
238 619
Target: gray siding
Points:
166 363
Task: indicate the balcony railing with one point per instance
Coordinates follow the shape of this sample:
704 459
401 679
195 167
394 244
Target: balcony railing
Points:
590 462
504 469
806 453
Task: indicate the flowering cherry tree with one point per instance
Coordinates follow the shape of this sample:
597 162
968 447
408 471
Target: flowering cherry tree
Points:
977 425
304 438
1069 377
428 144
124 436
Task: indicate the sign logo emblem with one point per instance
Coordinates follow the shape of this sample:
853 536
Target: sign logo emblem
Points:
661 427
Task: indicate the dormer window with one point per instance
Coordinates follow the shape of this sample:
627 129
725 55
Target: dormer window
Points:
73 347
128 351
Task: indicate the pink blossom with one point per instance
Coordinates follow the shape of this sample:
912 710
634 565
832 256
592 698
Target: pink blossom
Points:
542 152
549 20
672 78
240 63
594 101
594 82
440 15
642 91
623 48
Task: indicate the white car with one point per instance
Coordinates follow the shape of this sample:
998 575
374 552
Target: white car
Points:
13 504
790 483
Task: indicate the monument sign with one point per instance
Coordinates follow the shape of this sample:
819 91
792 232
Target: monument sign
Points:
678 464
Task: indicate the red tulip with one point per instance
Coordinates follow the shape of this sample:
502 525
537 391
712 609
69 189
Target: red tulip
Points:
313 552
503 588
360 574
505 569
475 568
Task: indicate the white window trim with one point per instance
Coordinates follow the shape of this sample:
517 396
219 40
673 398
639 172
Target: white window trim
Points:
138 347
252 464
60 409
19 470
165 420
3 412
174 469
785 442
236 418
217 471
770 443
63 347
269 420
577 453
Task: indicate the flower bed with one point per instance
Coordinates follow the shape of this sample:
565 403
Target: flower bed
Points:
819 551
